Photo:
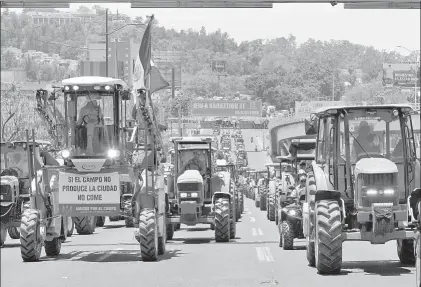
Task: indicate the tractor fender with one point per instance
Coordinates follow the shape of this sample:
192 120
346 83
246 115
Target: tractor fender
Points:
218 195
320 177
413 201
331 195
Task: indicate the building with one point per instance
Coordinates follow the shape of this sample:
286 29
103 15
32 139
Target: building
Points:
60 18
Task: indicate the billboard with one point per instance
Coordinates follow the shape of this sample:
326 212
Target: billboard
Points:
215 108
165 61
404 75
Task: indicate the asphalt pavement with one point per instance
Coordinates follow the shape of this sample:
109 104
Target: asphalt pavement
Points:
111 257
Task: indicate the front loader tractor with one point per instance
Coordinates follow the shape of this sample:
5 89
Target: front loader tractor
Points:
203 195
97 175
29 199
362 183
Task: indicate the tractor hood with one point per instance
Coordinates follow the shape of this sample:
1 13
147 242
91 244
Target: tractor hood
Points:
190 176
375 165
8 180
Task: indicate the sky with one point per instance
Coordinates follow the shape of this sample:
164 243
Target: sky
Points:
383 29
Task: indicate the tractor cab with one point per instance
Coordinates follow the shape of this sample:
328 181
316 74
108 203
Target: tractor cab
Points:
302 151
94 112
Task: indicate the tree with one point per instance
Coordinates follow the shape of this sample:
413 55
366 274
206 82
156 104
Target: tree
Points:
9 60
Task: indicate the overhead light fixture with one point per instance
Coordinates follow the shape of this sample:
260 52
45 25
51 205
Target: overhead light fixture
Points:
199 4
21 4
383 5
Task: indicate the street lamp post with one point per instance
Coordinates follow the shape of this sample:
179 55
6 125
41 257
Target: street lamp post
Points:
112 32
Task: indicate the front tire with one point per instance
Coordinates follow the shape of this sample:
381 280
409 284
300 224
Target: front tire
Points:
222 220
287 235
328 241
100 221
30 236
70 227
148 235
405 248
85 224
14 232
271 208
170 231
53 247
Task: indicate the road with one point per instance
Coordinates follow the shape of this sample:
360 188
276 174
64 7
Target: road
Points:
110 257
257 160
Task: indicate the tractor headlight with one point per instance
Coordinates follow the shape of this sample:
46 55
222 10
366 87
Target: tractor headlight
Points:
65 153
113 153
292 212
194 194
183 195
389 191
371 192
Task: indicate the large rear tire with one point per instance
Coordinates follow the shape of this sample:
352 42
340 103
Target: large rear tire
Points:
14 232
405 248
328 241
30 236
263 206
148 235
222 220
310 248
271 207
287 235
85 224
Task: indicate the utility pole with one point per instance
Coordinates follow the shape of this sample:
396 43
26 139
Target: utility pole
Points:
333 86
106 42
173 82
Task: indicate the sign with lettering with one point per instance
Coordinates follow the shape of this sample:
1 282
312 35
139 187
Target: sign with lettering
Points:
213 108
404 75
89 194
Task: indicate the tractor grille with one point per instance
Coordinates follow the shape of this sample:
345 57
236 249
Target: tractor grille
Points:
197 200
380 179
5 193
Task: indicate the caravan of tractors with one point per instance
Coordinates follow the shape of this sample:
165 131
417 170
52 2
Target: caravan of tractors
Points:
354 176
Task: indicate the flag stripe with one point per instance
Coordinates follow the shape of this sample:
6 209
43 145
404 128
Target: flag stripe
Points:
145 51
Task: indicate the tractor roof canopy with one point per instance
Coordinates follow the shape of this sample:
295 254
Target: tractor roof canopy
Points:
334 110
304 148
91 81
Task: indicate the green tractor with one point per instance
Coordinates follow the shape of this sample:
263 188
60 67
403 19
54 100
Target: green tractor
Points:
203 195
362 184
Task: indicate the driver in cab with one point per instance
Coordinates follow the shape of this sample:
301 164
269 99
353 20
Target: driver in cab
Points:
195 163
365 142
90 112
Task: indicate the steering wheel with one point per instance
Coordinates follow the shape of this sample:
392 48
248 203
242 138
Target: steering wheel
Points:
91 119
188 166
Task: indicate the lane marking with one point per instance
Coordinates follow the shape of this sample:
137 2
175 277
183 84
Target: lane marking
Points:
252 219
268 254
260 254
259 231
254 231
249 212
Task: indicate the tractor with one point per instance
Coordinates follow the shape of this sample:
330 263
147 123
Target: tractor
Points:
224 166
95 152
362 183
29 199
257 190
203 195
290 227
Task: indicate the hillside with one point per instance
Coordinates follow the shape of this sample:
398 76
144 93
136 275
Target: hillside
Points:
278 71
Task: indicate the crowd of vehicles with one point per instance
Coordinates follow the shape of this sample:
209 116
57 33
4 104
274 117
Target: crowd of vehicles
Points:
355 177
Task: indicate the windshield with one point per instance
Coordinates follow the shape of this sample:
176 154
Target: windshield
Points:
372 134
193 159
93 117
